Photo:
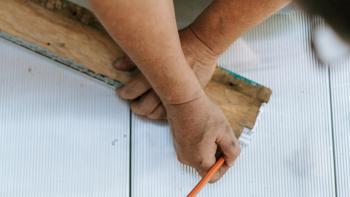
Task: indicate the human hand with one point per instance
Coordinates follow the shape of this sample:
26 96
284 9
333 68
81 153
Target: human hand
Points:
144 101
200 130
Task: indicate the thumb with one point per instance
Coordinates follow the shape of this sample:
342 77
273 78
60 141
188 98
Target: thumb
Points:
124 64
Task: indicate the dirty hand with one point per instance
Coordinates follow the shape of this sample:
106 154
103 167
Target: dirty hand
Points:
200 129
144 101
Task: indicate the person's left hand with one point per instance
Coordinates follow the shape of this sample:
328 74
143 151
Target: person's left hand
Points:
144 101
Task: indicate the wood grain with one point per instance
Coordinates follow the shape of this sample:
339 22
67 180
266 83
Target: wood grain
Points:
239 99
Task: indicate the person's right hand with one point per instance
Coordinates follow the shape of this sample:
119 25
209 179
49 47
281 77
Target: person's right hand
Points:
200 130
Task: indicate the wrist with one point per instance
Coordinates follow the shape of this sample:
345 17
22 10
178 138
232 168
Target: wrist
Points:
174 81
186 107
211 38
192 44
183 93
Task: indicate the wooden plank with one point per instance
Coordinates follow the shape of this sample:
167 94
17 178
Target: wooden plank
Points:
87 46
291 154
340 89
61 134
60 35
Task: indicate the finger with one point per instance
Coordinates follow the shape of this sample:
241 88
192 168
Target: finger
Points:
124 64
146 104
230 148
136 87
206 156
219 174
158 114
204 166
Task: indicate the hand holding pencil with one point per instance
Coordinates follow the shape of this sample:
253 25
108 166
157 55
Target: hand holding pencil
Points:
207 177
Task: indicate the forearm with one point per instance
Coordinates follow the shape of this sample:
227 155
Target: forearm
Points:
226 20
146 30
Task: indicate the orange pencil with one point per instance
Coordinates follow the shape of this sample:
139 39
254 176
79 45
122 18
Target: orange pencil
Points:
207 177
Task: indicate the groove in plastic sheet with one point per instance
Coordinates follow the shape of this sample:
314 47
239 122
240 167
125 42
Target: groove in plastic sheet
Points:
340 85
291 152
61 134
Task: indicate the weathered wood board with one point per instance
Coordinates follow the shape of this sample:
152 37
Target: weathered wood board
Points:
56 33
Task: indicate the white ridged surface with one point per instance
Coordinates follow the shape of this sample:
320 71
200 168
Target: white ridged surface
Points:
340 85
64 135
61 134
291 151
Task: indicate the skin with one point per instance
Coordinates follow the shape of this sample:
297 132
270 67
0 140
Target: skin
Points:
203 42
200 59
174 66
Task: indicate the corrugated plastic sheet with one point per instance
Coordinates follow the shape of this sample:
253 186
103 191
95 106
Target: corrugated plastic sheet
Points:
61 134
291 153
